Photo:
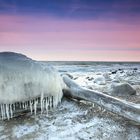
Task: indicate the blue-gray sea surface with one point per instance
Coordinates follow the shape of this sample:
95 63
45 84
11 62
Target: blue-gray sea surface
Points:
89 66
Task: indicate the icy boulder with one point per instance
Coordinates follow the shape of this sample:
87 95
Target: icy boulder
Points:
107 76
100 80
25 83
122 89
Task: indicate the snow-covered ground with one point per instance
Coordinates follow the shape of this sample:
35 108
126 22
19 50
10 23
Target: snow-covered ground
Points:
73 120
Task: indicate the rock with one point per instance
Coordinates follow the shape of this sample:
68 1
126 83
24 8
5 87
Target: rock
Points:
120 69
135 69
114 72
124 89
100 80
89 78
69 75
75 78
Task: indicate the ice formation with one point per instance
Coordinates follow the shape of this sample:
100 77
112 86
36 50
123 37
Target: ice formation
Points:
25 83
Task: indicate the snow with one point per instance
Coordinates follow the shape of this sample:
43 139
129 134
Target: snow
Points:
72 120
24 130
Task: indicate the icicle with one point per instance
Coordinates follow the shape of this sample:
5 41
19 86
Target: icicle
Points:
0 111
1 106
26 105
20 105
33 102
4 111
31 108
35 106
41 102
38 100
55 101
23 105
49 102
52 101
44 103
11 111
14 106
7 111
46 106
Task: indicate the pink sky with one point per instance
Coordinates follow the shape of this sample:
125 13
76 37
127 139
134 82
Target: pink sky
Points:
56 39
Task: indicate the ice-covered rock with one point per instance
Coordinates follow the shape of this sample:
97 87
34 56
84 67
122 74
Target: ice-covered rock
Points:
25 83
100 80
107 76
122 89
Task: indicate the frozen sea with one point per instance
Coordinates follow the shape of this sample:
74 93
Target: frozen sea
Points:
73 120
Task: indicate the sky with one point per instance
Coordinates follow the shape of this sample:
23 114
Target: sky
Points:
71 30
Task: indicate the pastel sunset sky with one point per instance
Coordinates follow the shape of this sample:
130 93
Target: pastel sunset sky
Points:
71 30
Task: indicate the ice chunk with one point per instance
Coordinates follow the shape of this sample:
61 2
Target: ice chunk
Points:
100 80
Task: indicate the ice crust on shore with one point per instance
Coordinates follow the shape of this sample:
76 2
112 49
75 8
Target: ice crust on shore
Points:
24 83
